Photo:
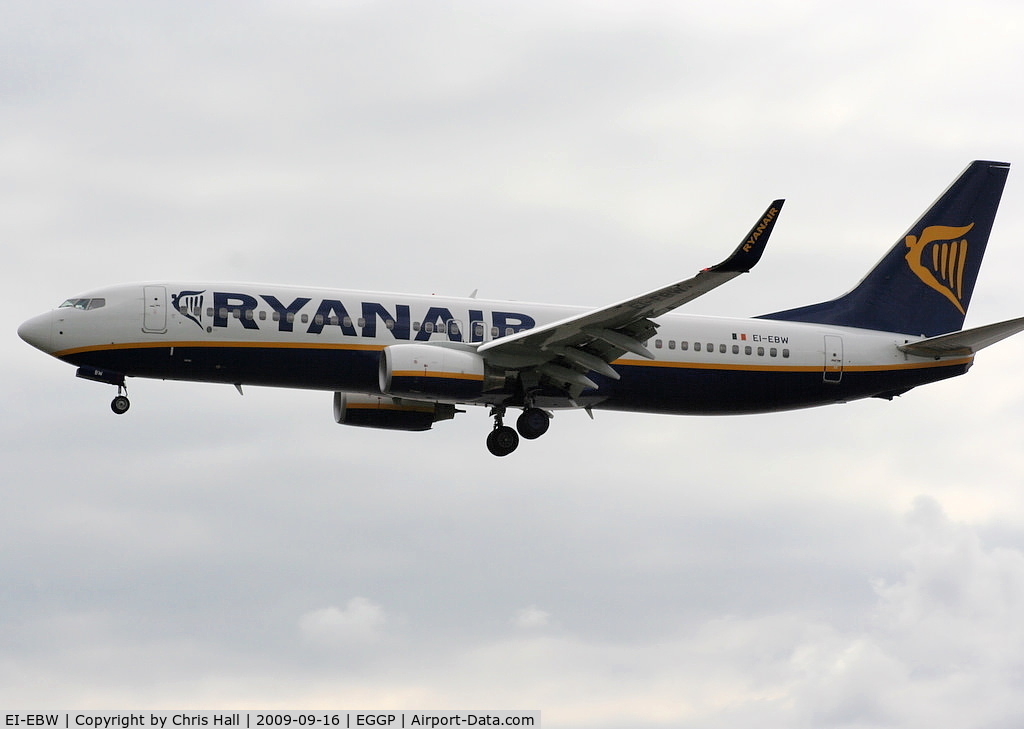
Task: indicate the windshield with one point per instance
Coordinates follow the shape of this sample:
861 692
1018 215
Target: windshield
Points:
83 304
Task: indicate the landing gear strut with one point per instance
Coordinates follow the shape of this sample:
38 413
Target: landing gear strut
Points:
502 440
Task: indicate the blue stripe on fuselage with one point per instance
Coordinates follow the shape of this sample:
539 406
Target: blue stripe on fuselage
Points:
644 386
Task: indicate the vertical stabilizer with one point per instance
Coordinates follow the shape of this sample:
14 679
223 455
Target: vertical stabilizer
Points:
923 285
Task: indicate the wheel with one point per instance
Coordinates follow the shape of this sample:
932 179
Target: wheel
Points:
120 405
502 440
533 423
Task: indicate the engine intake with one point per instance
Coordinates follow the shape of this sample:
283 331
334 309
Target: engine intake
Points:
388 413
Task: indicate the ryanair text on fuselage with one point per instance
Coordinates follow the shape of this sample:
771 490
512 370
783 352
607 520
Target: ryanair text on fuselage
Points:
246 310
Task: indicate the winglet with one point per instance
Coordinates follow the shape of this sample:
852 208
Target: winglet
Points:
749 251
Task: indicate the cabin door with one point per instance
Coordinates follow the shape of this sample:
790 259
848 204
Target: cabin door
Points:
154 316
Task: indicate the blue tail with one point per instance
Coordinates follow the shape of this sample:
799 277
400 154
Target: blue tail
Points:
923 285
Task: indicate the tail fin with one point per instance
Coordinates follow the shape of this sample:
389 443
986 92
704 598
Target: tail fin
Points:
923 285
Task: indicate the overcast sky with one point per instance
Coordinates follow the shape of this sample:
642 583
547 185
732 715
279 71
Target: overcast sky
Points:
859 565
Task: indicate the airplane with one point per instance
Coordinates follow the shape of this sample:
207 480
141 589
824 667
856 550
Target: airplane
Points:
405 362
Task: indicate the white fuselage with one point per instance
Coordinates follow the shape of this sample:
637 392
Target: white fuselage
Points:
332 339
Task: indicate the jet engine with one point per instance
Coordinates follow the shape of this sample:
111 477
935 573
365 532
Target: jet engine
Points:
444 373
388 413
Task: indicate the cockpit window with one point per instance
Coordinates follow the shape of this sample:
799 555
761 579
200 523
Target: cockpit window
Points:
83 304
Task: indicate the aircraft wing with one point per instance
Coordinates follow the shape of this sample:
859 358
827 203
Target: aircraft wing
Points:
966 342
564 351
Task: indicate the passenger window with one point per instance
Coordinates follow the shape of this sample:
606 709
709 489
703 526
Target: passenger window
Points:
318 319
657 344
785 354
735 349
289 317
711 347
248 314
415 326
263 316
760 351
696 346
389 323
773 352
346 322
209 311
332 320
721 348
748 350
684 345
305 318
509 331
361 322
671 344
494 332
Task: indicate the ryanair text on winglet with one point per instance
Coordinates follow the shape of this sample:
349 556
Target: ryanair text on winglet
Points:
768 218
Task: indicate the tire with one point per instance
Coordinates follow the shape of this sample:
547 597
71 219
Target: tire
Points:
533 423
502 441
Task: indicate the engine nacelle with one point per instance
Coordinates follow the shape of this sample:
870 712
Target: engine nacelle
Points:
423 370
388 413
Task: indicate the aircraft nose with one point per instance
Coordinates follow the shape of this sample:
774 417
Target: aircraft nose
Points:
38 332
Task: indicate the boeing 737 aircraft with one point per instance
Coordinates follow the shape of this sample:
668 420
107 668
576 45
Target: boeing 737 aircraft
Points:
404 362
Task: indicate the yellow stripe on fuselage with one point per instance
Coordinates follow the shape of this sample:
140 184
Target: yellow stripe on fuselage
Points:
216 345
792 368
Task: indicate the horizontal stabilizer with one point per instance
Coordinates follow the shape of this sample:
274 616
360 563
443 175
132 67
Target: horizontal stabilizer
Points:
966 342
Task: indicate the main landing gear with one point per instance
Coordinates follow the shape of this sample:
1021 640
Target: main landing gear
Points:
532 424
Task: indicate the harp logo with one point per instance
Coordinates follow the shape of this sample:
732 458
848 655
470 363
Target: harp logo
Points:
190 304
939 258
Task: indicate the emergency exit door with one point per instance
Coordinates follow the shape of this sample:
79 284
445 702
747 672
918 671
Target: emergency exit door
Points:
833 358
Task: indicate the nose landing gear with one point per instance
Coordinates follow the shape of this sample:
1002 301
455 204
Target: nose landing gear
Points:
121 403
